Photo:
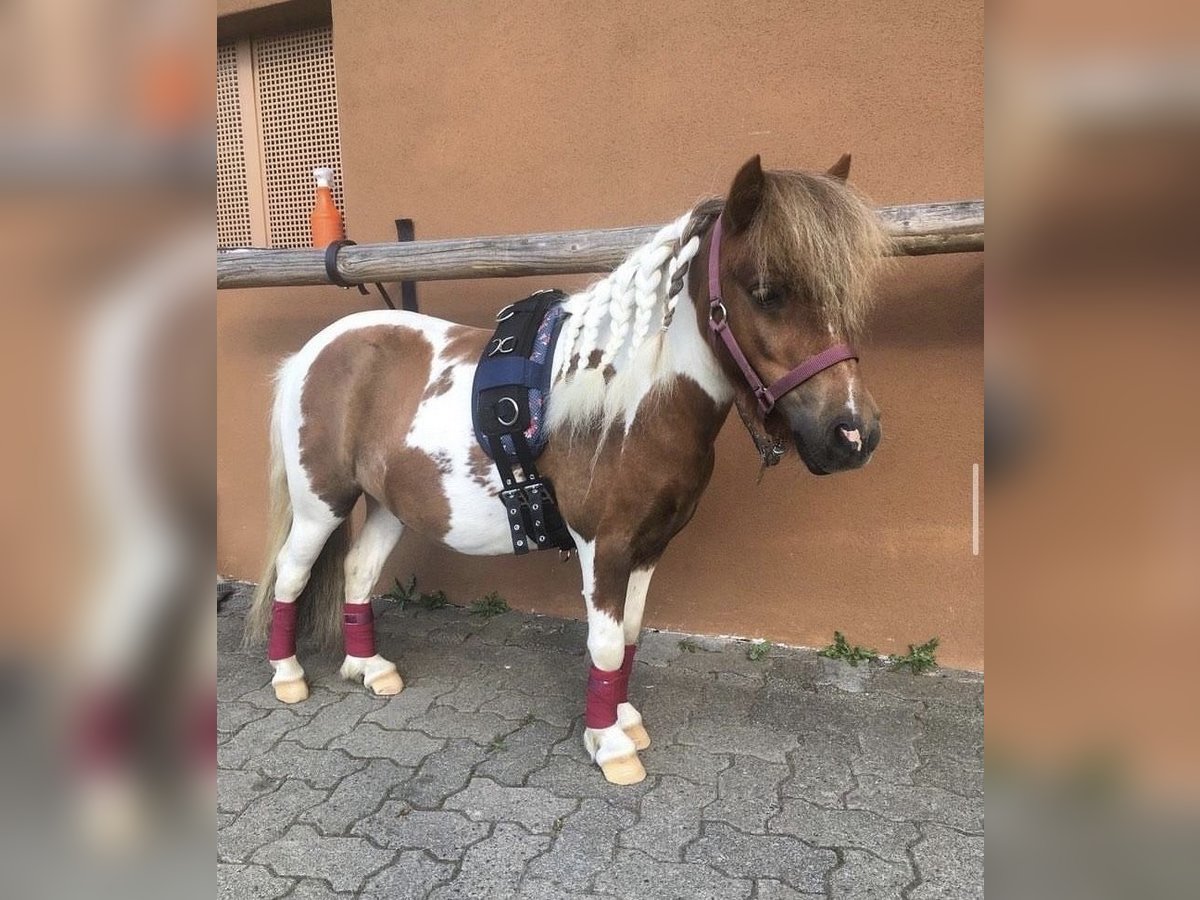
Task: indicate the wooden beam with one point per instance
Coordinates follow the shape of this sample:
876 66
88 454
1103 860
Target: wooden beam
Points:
919 229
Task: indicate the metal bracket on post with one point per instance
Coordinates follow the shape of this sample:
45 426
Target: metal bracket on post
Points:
408 289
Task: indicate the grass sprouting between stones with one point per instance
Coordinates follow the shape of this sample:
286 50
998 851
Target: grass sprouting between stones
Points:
841 649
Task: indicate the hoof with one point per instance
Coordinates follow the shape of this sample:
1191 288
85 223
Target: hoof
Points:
387 685
291 691
624 770
638 734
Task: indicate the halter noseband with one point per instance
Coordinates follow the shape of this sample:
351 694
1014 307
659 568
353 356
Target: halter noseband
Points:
718 326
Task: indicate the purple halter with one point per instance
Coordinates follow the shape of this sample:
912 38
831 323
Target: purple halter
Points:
766 396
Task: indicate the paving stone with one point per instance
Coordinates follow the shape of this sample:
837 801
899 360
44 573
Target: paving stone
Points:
752 781
520 753
916 803
356 796
841 675
236 678
865 877
583 846
242 882
886 748
410 703
943 687
751 856
535 808
369 741
950 863
345 862
553 635
320 768
311 889
670 817
441 774
567 777
493 867
951 773
747 794
853 828
444 722
265 819
443 833
233 715
821 770
659 648
318 697
335 720
514 706
536 889
411 876
635 874
236 788
256 738
770 889
754 740
692 763
469 696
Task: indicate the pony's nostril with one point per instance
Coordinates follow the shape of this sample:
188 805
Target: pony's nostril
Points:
852 436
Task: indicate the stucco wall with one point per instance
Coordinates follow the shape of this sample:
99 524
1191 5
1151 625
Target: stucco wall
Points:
473 118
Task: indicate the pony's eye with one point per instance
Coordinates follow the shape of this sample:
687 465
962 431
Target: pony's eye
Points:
767 296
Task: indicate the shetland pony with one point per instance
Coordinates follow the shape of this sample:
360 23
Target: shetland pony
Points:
378 405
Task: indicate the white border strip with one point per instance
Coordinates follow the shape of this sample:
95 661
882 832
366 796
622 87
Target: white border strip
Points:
975 509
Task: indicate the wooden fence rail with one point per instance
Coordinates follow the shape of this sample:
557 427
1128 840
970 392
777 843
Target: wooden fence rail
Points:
919 229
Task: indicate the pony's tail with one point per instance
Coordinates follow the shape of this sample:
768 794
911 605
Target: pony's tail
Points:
319 610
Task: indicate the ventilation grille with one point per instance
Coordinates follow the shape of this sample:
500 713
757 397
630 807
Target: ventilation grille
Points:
297 107
233 198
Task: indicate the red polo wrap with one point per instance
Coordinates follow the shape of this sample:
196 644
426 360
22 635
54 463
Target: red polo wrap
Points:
603 691
282 642
358 629
626 670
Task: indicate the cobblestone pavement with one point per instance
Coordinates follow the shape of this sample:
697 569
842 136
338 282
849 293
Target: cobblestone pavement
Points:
791 776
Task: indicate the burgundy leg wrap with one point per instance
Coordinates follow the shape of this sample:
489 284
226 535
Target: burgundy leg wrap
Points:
626 669
104 732
282 642
358 629
603 689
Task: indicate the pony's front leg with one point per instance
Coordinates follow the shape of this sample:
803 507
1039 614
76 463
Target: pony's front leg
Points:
628 717
604 587
364 562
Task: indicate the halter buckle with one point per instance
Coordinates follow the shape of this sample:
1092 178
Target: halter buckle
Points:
718 304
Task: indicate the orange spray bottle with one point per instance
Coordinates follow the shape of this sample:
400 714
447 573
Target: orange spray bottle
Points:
325 219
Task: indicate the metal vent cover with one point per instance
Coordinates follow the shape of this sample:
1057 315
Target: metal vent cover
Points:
296 96
233 195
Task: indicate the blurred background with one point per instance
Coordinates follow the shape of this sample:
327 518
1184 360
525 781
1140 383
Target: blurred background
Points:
107 378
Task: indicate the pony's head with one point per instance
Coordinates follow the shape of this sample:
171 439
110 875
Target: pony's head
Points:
798 252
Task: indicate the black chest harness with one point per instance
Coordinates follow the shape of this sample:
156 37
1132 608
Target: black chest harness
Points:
508 410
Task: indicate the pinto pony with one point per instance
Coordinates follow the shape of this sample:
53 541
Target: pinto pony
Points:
750 299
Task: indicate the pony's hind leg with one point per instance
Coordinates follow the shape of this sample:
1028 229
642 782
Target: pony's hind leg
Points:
294 564
363 564
628 717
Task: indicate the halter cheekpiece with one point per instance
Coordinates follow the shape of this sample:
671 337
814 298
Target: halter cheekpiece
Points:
767 396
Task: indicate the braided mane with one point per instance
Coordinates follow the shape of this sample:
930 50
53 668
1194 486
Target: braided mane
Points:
612 340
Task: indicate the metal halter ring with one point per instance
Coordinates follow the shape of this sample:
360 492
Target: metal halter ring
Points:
516 412
503 345
712 313
507 313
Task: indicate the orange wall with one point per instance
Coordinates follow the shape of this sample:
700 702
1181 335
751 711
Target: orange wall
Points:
474 119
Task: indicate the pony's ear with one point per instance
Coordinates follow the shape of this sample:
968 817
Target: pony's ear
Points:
745 195
840 169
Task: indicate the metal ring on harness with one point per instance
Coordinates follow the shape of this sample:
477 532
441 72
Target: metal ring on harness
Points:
507 313
516 412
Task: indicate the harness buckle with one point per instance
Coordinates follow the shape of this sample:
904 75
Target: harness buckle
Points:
503 345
